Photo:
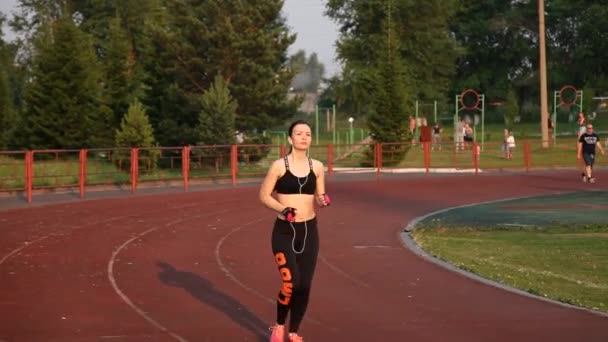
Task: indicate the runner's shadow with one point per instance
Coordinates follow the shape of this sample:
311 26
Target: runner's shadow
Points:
205 292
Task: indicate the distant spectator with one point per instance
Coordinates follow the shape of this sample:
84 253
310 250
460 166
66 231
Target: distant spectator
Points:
582 129
468 135
239 137
412 128
436 136
460 128
510 145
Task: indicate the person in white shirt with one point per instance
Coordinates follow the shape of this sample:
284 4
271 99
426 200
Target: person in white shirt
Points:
510 145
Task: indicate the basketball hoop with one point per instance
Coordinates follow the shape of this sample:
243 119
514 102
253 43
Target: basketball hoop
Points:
561 96
477 99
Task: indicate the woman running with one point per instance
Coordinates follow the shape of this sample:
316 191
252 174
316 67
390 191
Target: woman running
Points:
298 181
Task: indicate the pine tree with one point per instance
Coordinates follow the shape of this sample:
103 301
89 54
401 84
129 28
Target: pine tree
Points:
121 87
7 113
244 41
135 128
136 132
427 47
216 120
387 122
63 97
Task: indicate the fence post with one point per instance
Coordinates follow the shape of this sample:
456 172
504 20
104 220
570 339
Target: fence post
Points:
527 155
233 163
330 159
283 151
378 159
476 152
186 166
134 168
29 174
427 156
83 171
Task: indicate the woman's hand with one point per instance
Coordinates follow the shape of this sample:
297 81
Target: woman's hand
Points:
323 200
289 214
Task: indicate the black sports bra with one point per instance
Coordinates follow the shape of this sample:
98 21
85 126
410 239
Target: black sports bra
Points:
291 184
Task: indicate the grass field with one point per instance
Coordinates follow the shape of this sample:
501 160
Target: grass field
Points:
569 264
66 173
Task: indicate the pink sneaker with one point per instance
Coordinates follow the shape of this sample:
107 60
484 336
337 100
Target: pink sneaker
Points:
278 333
295 338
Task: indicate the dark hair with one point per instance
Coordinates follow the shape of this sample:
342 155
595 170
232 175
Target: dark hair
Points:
295 123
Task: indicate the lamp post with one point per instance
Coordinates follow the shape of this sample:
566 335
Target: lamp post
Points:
544 113
352 137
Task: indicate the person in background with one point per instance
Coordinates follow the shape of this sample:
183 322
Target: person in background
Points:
510 145
459 133
468 136
412 128
581 125
436 136
587 143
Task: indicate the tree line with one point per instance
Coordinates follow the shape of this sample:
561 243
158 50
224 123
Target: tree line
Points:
92 73
397 51
195 71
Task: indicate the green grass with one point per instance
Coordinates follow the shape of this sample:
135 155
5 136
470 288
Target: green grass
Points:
569 264
56 173
12 172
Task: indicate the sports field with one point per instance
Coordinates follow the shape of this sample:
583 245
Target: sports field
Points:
552 246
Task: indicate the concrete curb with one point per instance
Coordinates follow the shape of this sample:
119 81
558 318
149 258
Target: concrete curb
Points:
408 242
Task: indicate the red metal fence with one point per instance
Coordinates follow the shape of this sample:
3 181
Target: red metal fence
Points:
30 171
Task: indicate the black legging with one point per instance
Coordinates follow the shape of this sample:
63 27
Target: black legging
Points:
295 267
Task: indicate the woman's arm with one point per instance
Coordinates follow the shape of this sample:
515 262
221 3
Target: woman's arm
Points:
268 187
320 191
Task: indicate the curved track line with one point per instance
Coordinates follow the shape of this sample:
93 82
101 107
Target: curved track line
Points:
343 273
124 297
19 249
28 244
225 269
339 270
408 242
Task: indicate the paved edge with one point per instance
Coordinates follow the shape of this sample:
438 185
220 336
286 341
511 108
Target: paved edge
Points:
408 242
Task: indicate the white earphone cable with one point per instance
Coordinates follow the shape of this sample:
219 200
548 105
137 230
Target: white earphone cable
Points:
293 240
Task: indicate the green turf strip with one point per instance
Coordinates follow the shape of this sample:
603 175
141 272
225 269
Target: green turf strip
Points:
565 263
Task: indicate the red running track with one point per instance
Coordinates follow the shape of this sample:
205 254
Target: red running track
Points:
197 267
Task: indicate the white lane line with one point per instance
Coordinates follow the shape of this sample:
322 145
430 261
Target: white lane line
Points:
124 297
225 269
19 249
27 244
343 273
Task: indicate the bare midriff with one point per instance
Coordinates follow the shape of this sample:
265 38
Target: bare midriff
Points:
304 205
